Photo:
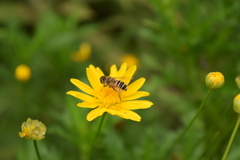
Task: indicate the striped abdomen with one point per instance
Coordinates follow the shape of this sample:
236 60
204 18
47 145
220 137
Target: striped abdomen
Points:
121 85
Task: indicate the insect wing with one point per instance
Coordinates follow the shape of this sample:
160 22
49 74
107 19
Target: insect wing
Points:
124 79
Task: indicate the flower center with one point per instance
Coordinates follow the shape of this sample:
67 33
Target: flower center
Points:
108 96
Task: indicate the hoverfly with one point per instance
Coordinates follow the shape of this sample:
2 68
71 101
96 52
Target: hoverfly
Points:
113 83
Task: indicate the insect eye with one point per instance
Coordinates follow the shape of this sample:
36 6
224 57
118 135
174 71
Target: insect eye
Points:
102 79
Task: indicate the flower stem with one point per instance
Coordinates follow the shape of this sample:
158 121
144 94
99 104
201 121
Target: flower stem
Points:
96 136
231 139
36 148
190 124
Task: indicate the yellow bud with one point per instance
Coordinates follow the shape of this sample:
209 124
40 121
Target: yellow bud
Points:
130 59
33 130
236 104
22 72
238 81
214 80
83 54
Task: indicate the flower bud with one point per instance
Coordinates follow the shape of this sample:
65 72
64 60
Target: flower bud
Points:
236 104
22 72
33 130
238 81
214 80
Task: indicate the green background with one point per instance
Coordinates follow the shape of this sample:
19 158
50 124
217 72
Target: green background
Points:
177 43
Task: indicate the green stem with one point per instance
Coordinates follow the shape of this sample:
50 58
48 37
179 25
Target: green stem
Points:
207 154
96 136
36 148
231 139
190 124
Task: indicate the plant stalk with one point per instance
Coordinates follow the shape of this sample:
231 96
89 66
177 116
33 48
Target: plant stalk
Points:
96 136
190 124
36 148
231 139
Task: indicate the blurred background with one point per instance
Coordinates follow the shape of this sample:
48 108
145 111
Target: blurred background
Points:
174 43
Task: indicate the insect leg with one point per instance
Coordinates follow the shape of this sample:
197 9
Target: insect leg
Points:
104 85
119 91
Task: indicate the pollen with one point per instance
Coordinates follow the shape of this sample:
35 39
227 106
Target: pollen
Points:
108 97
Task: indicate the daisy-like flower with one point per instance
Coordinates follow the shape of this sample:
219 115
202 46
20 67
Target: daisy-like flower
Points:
106 99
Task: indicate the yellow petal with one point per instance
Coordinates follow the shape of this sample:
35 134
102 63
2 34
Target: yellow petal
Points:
91 67
111 111
94 79
134 87
136 95
123 113
88 104
113 71
137 104
99 71
95 113
122 70
129 73
82 96
82 86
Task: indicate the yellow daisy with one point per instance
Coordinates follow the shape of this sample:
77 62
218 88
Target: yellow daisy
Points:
106 99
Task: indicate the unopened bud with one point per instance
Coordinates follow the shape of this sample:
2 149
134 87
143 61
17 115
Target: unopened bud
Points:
236 104
214 80
238 81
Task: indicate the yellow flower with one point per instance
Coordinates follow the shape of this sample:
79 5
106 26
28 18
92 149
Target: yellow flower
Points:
22 72
236 104
130 59
238 81
106 99
33 130
82 54
214 80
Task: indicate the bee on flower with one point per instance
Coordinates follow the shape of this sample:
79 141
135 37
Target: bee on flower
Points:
106 98
113 83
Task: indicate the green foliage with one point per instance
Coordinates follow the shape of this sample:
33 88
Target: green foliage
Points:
177 42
